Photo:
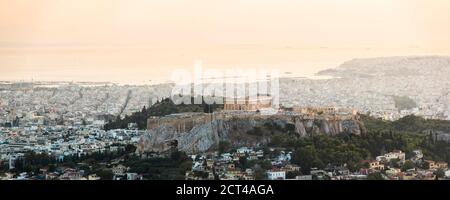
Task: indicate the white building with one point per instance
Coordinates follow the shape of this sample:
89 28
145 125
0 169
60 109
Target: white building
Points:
244 150
397 154
276 175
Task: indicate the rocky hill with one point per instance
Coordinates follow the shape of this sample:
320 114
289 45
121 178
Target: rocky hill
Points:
245 130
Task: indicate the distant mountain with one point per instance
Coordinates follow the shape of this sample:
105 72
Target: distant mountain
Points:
391 66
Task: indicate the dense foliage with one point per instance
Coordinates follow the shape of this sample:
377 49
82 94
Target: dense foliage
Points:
408 123
173 167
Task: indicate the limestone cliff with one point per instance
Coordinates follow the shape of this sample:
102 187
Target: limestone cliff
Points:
241 131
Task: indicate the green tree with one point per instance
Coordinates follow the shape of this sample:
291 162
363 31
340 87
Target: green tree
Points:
394 162
224 146
408 165
375 176
293 174
105 174
130 148
306 158
260 174
277 141
52 168
440 173
243 162
266 165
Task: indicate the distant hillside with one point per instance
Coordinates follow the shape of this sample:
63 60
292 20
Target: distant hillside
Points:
391 66
165 107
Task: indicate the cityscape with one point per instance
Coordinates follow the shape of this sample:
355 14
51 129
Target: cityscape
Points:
174 97
93 131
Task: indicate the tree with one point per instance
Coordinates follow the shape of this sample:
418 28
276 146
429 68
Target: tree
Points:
375 176
179 156
105 174
276 141
130 148
290 128
366 165
51 168
224 146
243 162
260 174
85 168
266 165
394 162
306 158
408 165
440 173
185 166
3 166
293 174
426 165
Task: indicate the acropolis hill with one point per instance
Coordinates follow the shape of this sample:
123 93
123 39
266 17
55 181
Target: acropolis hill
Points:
200 132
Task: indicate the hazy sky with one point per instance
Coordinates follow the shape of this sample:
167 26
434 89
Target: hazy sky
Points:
110 39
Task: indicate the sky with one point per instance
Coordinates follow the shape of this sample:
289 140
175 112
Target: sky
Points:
143 40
